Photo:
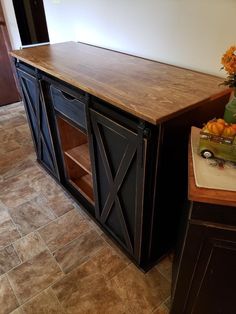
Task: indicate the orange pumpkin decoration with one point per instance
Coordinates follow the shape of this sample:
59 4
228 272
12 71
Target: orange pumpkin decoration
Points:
234 126
221 121
229 131
215 127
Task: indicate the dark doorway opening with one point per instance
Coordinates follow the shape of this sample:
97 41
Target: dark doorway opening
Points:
8 90
31 20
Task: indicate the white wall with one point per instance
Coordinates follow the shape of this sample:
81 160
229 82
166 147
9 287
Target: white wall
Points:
188 33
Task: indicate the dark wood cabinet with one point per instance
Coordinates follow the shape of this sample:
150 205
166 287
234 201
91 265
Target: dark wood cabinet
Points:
38 119
204 277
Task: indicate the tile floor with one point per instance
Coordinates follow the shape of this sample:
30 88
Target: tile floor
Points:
53 258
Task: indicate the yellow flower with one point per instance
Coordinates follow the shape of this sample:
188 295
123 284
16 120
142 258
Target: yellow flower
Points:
229 60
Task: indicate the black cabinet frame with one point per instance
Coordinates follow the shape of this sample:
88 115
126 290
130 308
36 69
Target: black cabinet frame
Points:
204 267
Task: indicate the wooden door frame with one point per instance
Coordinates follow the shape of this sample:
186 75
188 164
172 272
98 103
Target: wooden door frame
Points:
3 28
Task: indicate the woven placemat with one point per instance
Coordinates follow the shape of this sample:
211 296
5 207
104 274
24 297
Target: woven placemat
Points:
208 176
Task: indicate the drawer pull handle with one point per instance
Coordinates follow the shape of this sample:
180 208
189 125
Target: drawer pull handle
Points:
67 96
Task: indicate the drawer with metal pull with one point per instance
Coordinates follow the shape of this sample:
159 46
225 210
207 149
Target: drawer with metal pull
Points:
70 104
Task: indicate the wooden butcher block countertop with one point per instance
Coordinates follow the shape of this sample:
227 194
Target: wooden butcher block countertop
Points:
147 89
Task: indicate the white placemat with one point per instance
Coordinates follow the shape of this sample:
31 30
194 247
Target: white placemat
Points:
207 176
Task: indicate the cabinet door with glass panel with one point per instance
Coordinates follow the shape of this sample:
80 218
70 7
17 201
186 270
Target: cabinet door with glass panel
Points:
70 108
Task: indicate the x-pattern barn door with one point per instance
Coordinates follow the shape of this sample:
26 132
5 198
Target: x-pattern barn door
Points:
38 121
117 157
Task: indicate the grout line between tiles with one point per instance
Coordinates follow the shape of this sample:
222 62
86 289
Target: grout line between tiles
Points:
61 247
61 306
45 199
51 254
14 266
41 227
54 220
162 273
89 256
7 272
167 301
36 230
36 294
17 254
87 219
161 304
117 248
12 287
14 224
39 292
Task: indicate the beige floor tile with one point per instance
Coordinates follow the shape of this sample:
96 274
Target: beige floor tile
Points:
24 130
8 161
168 303
45 302
8 259
48 187
63 230
32 173
18 311
85 290
34 276
16 191
79 251
31 215
28 149
13 122
141 292
23 135
162 310
60 203
96 227
165 266
11 134
29 246
7 135
23 167
10 146
115 247
8 231
109 263
8 301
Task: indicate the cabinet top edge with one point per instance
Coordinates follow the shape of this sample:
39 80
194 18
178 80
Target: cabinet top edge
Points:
149 90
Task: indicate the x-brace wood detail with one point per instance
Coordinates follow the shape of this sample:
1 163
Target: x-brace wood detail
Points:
35 113
116 182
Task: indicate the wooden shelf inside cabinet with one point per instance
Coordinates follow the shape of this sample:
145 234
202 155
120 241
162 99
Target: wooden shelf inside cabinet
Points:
80 155
85 185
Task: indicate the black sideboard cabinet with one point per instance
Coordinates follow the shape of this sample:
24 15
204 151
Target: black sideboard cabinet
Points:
128 174
204 270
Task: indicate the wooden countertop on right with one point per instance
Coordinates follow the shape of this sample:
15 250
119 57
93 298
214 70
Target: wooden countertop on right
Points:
211 196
